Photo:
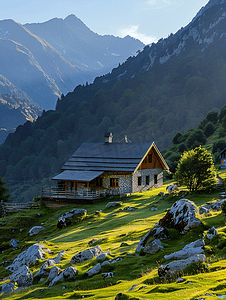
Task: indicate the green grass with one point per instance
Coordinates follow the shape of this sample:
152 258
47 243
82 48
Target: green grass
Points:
109 225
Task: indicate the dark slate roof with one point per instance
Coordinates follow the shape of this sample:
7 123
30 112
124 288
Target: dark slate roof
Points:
221 152
123 157
77 175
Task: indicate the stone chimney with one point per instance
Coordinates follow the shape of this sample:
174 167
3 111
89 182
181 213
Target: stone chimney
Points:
108 137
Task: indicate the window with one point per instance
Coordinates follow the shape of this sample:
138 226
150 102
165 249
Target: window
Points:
155 179
98 181
114 182
147 180
149 158
139 180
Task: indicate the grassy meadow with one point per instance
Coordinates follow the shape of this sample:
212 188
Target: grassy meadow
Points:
115 226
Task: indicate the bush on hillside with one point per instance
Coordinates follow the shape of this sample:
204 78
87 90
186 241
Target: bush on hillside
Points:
196 170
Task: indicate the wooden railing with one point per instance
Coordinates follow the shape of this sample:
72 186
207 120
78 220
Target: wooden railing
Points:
9 207
55 193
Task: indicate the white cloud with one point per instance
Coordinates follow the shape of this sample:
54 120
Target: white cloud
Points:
158 4
133 32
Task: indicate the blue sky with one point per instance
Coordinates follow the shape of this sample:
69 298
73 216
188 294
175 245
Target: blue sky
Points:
147 20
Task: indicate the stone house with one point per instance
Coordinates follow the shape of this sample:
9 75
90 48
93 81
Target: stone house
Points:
222 157
119 168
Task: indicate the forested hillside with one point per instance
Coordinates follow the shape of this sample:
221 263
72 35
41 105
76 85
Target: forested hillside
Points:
168 87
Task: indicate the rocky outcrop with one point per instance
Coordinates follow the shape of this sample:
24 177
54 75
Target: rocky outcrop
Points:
189 250
7 288
50 262
211 233
93 271
113 204
172 268
153 247
22 276
35 230
73 216
28 257
68 273
86 255
181 216
158 232
54 272
103 255
216 206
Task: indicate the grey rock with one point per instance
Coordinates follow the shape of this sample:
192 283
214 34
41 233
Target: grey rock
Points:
54 272
7 288
50 262
22 276
14 243
153 247
173 267
93 271
105 263
116 260
154 208
180 279
95 240
216 206
158 232
133 287
181 216
67 218
161 194
86 255
203 210
35 230
68 273
28 257
103 255
188 251
211 233
113 204
130 208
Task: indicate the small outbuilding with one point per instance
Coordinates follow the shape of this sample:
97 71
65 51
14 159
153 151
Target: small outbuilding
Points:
99 169
222 157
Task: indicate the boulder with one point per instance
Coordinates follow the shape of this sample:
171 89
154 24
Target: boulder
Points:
160 194
216 206
95 240
173 267
211 233
28 257
70 217
7 288
158 232
153 247
113 204
68 273
35 230
181 216
130 208
105 263
22 276
86 255
188 251
103 255
50 262
14 243
54 272
93 271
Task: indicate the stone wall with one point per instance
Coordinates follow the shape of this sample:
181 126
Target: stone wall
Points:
143 173
125 182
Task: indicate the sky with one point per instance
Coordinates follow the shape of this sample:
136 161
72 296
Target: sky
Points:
147 20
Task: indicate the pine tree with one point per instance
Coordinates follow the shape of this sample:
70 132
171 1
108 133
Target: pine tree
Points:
3 191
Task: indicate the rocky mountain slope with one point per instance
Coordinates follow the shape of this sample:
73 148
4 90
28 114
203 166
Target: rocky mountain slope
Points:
41 68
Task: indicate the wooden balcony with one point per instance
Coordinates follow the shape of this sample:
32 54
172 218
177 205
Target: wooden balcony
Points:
53 193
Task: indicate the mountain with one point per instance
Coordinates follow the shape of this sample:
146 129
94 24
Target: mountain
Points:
16 107
79 45
168 87
43 70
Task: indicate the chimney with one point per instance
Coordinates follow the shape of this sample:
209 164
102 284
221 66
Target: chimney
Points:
108 137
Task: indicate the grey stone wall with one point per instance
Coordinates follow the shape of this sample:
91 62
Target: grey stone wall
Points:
143 173
125 182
